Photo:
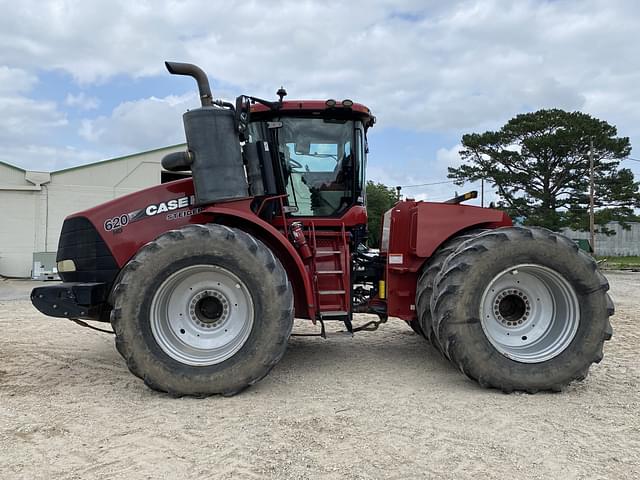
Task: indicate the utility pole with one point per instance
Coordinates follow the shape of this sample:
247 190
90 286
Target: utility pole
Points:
592 237
482 192
398 188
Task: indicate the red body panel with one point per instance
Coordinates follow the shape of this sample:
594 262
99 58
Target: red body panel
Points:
417 229
155 210
310 105
140 228
129 222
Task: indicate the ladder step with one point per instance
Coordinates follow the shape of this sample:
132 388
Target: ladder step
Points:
326 272
335 313
327 252
331 292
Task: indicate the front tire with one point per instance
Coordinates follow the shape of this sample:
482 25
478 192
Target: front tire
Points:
202 310
522 309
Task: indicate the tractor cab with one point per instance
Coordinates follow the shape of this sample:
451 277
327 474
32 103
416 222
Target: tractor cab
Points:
319 152
309 155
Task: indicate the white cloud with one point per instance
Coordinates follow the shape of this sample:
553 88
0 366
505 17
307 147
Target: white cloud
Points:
429 181
14 81
141 124
424 66
46 158
23 118
486 59
448 157
82 101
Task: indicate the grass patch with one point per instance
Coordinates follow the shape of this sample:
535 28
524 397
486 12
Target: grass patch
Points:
632 261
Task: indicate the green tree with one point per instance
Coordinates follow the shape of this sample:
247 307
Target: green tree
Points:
539 164
380 198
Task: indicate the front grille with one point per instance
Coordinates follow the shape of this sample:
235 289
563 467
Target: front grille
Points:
80 242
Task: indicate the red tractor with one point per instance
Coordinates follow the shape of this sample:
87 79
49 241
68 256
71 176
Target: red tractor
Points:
202 277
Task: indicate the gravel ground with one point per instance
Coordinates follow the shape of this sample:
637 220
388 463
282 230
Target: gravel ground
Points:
379 405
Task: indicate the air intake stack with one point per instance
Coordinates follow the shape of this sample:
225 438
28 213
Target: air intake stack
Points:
213 148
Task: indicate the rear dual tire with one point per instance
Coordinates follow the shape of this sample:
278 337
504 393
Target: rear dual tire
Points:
426 284
416 327
520 309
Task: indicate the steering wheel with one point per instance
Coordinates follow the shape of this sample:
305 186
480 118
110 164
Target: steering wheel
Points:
295 164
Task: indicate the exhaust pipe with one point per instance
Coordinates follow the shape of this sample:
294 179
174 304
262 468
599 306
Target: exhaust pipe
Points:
177 68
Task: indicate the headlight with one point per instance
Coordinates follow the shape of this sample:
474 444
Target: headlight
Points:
66 266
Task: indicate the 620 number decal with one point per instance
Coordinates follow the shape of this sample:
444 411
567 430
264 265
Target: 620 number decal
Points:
116 222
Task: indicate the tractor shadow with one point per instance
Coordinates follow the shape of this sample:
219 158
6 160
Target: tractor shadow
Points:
83 360
391 354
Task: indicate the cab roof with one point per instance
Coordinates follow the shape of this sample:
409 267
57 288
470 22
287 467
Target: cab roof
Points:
326 108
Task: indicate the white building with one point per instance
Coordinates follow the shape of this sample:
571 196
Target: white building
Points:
36 203
624 242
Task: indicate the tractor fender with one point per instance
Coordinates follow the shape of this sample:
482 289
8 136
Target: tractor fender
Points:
239 215
432 224
415 232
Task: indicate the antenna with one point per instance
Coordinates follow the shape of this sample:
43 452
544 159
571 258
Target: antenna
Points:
281 93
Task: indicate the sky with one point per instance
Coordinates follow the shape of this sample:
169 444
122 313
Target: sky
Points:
85 81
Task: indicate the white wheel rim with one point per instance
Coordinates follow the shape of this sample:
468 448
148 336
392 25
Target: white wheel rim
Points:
201 315
530 313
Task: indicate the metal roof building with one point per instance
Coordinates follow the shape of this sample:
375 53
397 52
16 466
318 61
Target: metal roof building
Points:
34 204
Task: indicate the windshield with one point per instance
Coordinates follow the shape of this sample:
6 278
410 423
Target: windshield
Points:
323 168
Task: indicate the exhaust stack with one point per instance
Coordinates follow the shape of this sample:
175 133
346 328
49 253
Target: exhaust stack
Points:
191 70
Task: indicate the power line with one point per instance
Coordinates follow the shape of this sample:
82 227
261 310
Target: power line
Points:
426 184
453 181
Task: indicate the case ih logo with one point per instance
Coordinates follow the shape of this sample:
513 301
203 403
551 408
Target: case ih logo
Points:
119 221
174 204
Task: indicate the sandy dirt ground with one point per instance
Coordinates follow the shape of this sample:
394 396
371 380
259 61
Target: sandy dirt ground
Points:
379 405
